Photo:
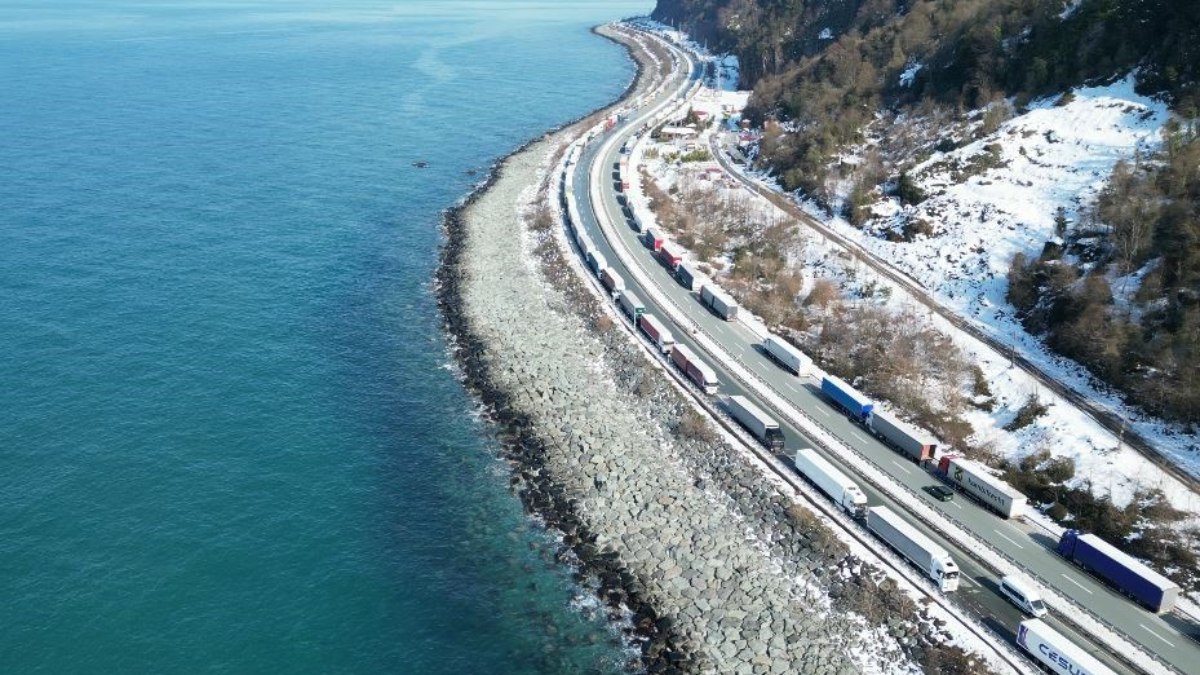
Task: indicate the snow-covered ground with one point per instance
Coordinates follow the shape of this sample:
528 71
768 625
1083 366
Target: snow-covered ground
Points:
1056 156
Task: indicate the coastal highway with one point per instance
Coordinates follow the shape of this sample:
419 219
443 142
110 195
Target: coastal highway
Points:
1025 545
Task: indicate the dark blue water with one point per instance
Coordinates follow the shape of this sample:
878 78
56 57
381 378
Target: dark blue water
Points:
229 437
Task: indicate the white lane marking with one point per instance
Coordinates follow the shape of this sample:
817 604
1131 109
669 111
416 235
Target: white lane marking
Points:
1010 539
967 580
956 505
824 412
1076 583
855 434
900 466
792 387
1156 634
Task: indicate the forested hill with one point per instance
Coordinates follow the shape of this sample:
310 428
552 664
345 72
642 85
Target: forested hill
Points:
970 50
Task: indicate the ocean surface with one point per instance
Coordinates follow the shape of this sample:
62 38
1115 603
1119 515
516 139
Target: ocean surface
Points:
230 436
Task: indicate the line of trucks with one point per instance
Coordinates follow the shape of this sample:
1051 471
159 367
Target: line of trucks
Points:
1122 571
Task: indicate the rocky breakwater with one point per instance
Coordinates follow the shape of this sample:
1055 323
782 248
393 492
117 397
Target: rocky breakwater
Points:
720 569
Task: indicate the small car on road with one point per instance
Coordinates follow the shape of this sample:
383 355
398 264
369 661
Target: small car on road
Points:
940 492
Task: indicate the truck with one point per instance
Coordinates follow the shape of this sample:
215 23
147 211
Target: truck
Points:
596 261
653 238
695 369
975 480
688 275
1130 576
658 334
1056 652
856 405
916 444
612 281
843 491
671 254
722 305
786 355
920 550
631 305
750 416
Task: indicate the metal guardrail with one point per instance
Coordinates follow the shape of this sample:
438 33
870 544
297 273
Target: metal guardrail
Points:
755 382
1012 657
1067 607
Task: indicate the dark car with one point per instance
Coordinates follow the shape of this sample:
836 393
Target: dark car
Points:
940 493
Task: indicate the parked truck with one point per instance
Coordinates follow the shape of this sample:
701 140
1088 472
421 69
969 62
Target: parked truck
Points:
1127 574
786 355
916 444
721 304
631 305
688 275
695 369
653 238
849 399
612 281
843 491
1056 652
975 480
757 422
919 549
597 262
657 333
671 254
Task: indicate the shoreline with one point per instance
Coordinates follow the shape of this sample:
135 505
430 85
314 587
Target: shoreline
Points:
520 446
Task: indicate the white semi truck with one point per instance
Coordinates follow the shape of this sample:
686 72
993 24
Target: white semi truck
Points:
844 492
919 549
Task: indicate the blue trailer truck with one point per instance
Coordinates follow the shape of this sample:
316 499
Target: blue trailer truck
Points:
856 405
1120 569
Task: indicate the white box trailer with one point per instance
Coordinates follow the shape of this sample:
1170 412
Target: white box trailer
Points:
631 305
975 480
596 261
1056 652
657 332
919 549
763 426
788 356
917 444
720 303
844 492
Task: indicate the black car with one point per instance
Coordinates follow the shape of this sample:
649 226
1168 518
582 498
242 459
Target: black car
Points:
940 492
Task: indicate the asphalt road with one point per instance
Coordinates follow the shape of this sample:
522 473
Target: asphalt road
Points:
1026 545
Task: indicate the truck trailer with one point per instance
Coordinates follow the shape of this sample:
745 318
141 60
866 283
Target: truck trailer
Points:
631 305
688 275
671 254
920 550
721 304
786 355
612 281
916 444
975 480
657 333
858 406
1127 574
596 262
1056 652
757 422
653 238
695 369
843 491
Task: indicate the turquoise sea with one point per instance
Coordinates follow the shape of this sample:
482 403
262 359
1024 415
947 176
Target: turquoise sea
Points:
230 436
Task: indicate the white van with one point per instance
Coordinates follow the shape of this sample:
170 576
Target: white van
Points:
1020 593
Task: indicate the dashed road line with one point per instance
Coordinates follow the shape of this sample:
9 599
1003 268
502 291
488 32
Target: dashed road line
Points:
856 435
901 466
1010 539
1085 588
1157 635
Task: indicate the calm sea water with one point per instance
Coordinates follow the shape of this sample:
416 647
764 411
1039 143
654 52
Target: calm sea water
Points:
229 437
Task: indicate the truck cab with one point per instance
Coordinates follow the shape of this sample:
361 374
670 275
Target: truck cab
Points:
945 573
